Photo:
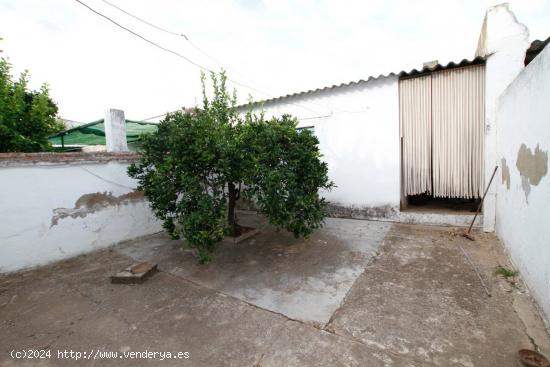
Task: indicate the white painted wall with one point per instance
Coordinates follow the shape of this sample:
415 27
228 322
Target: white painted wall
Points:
358 130
523 220
358 126
30 194
503 40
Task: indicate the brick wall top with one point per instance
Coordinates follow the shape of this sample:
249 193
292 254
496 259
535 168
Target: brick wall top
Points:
18 159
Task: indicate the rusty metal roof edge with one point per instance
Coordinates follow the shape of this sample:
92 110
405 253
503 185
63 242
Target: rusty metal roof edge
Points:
403 73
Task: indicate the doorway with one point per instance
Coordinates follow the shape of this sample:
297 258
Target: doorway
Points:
442 135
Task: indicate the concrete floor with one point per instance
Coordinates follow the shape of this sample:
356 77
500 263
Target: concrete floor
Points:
302 279
356 293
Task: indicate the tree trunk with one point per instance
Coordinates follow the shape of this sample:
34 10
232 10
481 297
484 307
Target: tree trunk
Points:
231 209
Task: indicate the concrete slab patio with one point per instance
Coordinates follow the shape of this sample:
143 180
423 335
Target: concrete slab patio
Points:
356 293
303 279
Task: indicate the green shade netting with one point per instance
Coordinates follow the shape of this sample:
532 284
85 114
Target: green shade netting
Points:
93 133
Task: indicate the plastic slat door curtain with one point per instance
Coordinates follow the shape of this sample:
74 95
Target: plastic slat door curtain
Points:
458 110
455 130
415 108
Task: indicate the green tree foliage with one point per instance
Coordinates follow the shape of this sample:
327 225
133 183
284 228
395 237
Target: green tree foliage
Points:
198 164
27 118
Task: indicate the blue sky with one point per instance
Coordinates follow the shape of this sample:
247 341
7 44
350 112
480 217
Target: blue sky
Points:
276 46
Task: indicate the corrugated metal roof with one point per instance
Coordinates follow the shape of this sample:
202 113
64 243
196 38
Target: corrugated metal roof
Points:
401 74
439 67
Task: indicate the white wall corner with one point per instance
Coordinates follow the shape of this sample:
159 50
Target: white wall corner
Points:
503 41
524 185
115 131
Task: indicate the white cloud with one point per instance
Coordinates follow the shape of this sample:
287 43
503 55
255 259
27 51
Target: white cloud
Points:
280 46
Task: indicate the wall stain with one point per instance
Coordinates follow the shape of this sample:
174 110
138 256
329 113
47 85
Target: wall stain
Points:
91 203
505 173
526 187
532 167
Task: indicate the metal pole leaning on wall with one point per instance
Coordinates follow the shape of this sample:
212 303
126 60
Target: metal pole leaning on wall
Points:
483 198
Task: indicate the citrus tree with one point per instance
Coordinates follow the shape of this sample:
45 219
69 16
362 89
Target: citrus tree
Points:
199 163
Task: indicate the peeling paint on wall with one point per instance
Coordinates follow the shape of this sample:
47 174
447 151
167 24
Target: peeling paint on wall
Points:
532 167
37 227
505 173
522 118
90 203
